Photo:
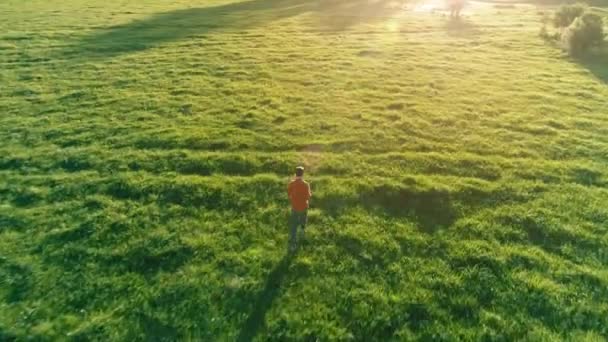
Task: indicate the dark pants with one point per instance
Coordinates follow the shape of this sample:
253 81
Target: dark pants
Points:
296 219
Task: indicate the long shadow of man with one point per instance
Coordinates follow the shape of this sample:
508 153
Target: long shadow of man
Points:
257 316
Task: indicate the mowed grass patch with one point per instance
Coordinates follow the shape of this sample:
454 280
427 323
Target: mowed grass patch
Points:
458 170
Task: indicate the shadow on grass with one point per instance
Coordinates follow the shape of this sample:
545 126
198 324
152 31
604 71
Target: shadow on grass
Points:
588 177
155 330
597 64
74 247
431 209
460 27
192 22
16 280
256 319
595 60
367 257
187 23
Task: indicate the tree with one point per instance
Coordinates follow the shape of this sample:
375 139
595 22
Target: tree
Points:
566 14
585 32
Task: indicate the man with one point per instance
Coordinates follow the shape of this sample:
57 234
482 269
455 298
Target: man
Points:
455 7
299 193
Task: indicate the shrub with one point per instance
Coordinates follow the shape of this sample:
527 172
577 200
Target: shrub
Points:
566 14
545 19
586 31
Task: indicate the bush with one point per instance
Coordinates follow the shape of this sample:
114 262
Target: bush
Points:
566 14
586 31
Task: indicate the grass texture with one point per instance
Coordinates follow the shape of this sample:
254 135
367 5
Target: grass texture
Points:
459 171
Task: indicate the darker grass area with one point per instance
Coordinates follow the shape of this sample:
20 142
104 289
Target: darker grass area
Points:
596 60
597 64
256 318
461 28
196 22
188 23
431 209
16 280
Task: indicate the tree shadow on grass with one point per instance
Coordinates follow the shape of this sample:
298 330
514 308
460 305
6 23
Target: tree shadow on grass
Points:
595 60
597 64
194 22
431 209
184 23
256 319
588 177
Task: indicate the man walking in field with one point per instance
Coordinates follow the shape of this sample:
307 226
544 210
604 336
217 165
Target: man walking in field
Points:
299 193
455 7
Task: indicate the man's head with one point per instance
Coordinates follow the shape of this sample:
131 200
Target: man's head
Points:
299 171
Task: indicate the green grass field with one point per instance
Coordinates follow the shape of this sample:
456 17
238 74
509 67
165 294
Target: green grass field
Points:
459 171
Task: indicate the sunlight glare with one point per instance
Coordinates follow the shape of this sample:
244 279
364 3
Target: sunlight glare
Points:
392 25
428 6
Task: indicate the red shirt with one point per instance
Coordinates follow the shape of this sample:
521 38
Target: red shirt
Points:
299 194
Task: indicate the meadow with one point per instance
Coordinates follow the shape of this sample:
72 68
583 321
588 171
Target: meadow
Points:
458 168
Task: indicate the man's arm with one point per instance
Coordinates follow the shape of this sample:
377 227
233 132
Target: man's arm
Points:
309 191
